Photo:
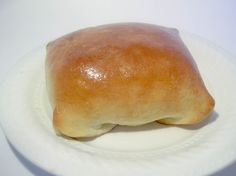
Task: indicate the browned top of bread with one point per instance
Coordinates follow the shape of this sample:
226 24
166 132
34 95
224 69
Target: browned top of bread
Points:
128 69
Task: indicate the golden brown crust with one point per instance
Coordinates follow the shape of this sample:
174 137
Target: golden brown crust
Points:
128 74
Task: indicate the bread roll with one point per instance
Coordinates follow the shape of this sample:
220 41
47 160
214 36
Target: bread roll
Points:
123 74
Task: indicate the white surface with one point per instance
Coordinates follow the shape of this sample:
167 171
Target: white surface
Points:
164 150
27 24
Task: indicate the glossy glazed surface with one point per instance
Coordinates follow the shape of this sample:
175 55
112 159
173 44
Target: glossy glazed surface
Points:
125 73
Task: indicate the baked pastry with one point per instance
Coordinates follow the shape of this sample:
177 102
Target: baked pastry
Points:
125 74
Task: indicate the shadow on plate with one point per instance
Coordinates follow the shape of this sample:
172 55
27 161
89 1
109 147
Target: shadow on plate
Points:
155 125
35 170
212 118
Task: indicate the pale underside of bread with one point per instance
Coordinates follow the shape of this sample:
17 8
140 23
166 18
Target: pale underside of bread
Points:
123 74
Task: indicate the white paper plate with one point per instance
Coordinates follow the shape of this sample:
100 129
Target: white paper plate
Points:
151 149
